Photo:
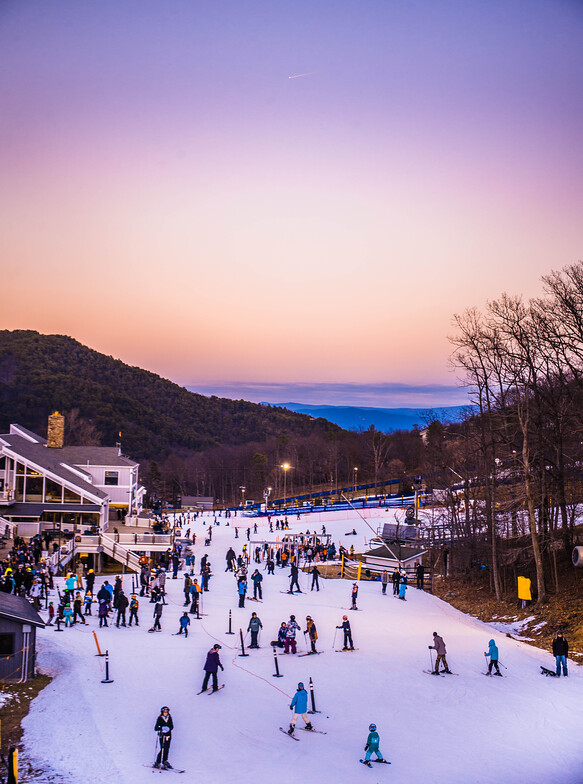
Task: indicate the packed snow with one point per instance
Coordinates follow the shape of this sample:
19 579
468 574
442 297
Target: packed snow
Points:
463 728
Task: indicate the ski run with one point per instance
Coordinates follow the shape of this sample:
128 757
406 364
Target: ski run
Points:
523 728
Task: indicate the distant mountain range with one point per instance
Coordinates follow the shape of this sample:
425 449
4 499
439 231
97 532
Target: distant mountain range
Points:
385 419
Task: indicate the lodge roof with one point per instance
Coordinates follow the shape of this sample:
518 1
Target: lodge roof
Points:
19 609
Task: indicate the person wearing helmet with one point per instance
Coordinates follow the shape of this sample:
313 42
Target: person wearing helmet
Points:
345 626
164 726
290 640
299 705
311 632
372 745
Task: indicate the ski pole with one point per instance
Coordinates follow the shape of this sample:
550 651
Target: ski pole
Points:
505 667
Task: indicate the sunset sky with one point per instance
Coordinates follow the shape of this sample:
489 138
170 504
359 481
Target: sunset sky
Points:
171 197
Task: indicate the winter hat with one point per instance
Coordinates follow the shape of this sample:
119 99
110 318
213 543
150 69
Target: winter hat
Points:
345 617
300 685
435 634
217 647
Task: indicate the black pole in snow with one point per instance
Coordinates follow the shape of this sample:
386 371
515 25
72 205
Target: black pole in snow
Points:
107 679
276 675
312 698
230 630
242 644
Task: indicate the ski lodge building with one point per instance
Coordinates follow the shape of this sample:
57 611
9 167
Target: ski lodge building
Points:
47 485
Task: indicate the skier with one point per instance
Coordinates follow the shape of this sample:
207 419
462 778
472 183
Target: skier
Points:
51 614
312 633
294 579
87 602
560 652
315 572
186 589
290 640
77 604
385 580
299 705
242 591
372 745
281 636
184 624
257 578
230 559
493 654
164 726
195 592
122 605
254 626
402 590
396 579
102 612
211 667
158 608
439 646
134 607
347 634
353 596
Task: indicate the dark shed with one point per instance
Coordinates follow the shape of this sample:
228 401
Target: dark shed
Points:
18 623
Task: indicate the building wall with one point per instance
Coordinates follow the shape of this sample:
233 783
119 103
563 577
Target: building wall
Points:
14 665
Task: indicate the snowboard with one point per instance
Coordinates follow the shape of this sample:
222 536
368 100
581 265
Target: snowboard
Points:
285 732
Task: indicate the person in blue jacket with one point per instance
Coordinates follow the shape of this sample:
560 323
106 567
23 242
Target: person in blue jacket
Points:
372 745
299 705
402 590
492 652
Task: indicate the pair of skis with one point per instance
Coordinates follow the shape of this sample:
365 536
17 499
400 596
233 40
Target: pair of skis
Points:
368 762
293 737
210 691
161 769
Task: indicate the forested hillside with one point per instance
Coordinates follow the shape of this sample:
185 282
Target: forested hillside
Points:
43 373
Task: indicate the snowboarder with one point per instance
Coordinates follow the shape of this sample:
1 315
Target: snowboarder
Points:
315 572
439 646
372 745
353 596
254 626
345 626
311 632
164 726
299 705
211 667
493 654
560 652
184 624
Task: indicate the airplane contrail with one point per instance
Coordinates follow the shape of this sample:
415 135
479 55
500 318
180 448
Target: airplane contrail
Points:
297 76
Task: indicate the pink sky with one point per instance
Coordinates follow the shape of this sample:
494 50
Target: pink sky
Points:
170 197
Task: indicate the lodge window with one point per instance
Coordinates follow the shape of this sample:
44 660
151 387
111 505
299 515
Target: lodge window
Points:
7 644
111 478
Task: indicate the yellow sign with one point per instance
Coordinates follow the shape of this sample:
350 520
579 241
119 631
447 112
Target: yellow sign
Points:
524 589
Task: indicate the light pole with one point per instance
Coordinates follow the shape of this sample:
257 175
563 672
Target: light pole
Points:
266 494
242 489
286 467
355 473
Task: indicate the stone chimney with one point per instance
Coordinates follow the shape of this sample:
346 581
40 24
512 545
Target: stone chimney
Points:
56 431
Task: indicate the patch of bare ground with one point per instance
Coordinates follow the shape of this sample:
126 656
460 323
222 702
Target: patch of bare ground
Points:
562 611
15 701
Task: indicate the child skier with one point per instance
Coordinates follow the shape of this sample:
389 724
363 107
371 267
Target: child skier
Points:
134 607
164 726
311 632
299 705
184 624
372 744
354 594
493 654
402 590
348 644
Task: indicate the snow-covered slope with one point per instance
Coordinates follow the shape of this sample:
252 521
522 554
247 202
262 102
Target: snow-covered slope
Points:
469 728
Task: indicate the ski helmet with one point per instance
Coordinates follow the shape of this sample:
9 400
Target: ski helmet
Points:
345 617
300 685
164 708
372 727
435 634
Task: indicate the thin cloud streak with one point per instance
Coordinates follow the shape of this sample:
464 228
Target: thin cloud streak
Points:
381 395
